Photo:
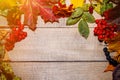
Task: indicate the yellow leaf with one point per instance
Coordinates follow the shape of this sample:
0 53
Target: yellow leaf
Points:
77 3
6 4
3 34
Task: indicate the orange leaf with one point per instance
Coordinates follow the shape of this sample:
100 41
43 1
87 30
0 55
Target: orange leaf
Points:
109 68
61 10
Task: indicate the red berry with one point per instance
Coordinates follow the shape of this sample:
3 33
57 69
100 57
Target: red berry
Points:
104 31
16 35
91 9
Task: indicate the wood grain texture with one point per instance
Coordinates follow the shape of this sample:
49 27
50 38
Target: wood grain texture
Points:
58 52
62 71
41 23
57 44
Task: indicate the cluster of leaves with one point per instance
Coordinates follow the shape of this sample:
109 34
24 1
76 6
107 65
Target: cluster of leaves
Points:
102 6
50 11
81 17
112 16
13 9
6 72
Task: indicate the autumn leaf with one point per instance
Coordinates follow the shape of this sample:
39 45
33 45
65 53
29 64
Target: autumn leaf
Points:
109 68
114 44
13 16
7 4
3 34
2 52
61 10
6 72
77 3
46 13
33 8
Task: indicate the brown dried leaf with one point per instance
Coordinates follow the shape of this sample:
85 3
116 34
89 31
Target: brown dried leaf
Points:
109 68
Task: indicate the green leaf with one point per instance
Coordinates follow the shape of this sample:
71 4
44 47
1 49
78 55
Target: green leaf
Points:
77 13
109 6
105 1
72 21
85 7
83 29
105 7
88 17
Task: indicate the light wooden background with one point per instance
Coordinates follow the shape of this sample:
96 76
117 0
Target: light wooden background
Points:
58 52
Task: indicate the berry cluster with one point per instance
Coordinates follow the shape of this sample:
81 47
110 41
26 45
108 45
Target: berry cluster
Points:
104 30
16 35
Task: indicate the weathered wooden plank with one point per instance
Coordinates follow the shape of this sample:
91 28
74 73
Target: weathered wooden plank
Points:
41 23
62 22
62 71
57 44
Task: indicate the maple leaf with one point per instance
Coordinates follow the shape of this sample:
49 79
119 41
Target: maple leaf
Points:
46 10
30 9
13 16
33 8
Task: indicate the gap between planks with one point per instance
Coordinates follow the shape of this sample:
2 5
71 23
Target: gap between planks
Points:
7 27
83 61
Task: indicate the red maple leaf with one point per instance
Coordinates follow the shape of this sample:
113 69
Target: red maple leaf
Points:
33 8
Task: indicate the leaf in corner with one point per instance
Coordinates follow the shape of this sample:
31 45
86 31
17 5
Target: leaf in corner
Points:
33 8
83 29
88 17
7 4
30 9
